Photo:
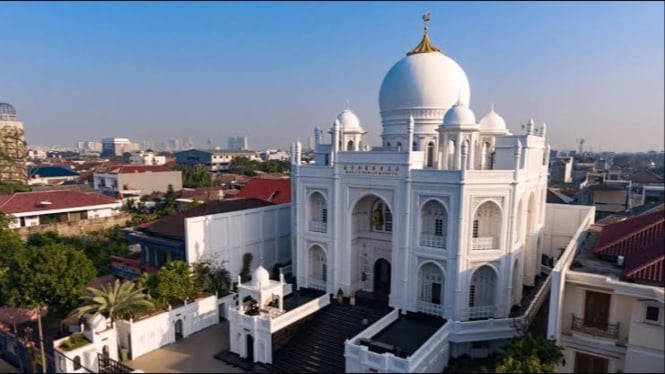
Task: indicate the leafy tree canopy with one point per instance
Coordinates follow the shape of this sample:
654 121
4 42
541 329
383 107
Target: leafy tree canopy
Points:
53 275
530 354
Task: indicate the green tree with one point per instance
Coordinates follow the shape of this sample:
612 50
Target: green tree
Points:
169 206
116 301
175 282
211 279
53 276
9 187
530 354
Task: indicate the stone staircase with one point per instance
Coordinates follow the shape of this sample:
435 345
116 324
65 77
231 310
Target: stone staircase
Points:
318 344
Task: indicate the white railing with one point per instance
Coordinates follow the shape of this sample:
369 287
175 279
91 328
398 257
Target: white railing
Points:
316 284
298 313
435 345
435 241
376 327
483 243
430 308
479 312
318 226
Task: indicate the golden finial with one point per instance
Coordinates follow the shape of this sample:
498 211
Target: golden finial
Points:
425 45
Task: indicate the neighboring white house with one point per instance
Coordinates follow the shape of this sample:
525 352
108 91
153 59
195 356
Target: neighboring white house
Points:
42 207
146 158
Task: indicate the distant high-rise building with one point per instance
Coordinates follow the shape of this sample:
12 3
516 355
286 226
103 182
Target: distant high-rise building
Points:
238 143
12 146
84 146
117 146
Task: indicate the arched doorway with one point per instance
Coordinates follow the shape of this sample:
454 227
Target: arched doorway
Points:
250 348
382 277
178 329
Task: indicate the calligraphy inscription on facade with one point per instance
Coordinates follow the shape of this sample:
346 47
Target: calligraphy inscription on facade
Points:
372 170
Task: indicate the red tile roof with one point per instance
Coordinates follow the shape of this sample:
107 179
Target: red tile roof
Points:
614 234
649 266
23 202
277 191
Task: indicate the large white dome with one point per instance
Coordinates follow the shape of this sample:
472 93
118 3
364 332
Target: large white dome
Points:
425 80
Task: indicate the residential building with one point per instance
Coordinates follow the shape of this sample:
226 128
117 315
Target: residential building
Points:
274 154
218 231
52 175
238 143
607 299
146 158
67 207
85 146
12 146
135 180
215 160
561 170
276 191
647 187
113 147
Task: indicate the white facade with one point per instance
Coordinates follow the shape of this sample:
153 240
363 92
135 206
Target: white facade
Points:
103 339
446 217
224 238
29 219
146 158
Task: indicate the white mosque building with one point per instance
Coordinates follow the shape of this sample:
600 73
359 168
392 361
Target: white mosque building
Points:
447 217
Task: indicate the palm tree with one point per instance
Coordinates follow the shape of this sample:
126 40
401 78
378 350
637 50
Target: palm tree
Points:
117 301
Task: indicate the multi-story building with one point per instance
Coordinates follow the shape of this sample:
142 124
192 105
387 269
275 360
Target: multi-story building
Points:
561 170
238 143
607 299
146 158
112 147
215 160
12 146
135 180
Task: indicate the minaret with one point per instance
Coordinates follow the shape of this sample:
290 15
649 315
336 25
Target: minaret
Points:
530 126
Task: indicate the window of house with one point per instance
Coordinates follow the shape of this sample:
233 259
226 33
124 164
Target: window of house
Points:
652 314
475 228
597 309
382 219
472 295
438 227
590 364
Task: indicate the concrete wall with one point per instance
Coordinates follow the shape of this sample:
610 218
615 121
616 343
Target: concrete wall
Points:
77 228
224 238
149 182
147 334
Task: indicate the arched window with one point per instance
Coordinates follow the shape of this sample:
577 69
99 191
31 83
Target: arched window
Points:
486 226
434 225
414 146
430 154
431 286
382 218
482 293
318 268
349 145
399 147
451 154
486 155
318 213
388 144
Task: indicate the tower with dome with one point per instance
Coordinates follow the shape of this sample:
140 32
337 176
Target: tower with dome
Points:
445 217
12 146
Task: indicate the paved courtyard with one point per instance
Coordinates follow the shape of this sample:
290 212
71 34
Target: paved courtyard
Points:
193 354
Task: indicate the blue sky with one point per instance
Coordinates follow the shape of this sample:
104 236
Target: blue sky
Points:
274 70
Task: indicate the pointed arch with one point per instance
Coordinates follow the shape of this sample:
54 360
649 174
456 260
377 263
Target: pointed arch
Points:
430 154
433 224
482 292
486 229
317 212
431 286
318 268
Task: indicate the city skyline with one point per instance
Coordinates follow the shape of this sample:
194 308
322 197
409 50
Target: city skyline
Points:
160 71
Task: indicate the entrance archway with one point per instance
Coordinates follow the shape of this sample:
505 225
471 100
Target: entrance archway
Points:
250 348
178 329
382 277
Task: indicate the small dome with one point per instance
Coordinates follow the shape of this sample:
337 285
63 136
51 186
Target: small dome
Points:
492 122
349 121
260 276
459 115
7 109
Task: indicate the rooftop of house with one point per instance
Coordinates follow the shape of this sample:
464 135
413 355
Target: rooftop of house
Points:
557 197
52 172
638 240
646 176
277 191
36 201
130 169
173 226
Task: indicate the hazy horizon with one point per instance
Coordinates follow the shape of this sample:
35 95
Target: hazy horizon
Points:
274 70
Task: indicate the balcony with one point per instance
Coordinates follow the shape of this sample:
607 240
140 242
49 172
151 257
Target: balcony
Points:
604 329
484 243
434 241
318 226
430 308
317 284
481 312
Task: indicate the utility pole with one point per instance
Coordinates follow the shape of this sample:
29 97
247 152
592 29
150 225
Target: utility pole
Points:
41 339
